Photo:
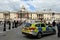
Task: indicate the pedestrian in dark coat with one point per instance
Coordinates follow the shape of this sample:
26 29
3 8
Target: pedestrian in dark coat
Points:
49 24
58 27
13 24
9 25
4 29
17 23
53 24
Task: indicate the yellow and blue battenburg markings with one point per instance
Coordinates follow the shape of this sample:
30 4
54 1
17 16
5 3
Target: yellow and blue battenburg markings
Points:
39 28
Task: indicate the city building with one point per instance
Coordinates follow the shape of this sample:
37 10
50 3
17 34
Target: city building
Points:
7 15
24 13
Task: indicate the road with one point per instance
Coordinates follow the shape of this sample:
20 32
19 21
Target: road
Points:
15 34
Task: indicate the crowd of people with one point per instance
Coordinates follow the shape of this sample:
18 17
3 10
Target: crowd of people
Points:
13 24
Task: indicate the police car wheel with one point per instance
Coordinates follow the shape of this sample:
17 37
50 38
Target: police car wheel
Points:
39 35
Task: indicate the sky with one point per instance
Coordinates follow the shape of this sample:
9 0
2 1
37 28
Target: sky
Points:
30 5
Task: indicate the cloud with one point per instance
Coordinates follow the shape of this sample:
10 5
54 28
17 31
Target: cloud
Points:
31 5
26 0
45 4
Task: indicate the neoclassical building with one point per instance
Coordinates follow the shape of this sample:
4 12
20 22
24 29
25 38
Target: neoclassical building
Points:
47 15
24 13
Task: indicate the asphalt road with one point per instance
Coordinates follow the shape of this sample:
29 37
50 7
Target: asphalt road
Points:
15 34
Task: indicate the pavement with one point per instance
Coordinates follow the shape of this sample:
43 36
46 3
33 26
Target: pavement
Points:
15 34
2 26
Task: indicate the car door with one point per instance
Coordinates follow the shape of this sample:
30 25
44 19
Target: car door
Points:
39 27
43 27
49 29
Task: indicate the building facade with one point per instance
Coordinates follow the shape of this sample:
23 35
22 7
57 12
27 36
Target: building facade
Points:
23 13
7 15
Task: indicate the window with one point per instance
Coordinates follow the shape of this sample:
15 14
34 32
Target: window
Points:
37 25
42 25
27 25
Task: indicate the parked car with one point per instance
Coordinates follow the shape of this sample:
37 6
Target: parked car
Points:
37 29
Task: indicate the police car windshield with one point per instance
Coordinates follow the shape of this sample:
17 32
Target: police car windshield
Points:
42 25
27 25
37 25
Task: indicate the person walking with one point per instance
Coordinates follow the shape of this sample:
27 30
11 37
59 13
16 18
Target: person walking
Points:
58 28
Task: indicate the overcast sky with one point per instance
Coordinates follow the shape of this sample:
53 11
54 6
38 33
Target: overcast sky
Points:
31 5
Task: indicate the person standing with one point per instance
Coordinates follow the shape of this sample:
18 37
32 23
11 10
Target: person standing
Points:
9 25
13 24
4 29
49 24
58 27
53 24
16 24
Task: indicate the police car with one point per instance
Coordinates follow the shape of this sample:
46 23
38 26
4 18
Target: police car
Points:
37 29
